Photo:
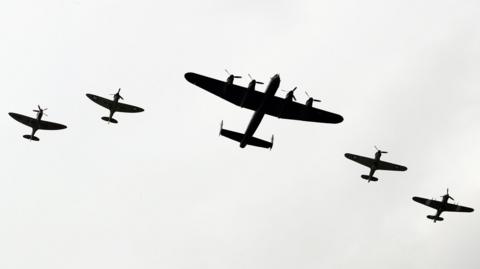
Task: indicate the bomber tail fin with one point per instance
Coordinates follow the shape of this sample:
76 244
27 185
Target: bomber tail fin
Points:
31 137
112 120
369 178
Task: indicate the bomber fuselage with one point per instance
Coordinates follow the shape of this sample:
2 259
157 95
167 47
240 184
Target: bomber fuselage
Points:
260 112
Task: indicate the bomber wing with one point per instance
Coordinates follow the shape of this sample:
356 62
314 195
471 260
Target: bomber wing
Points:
277 107
457 208
291 110
234 94
428 202
360 159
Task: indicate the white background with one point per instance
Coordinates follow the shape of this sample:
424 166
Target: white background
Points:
162 190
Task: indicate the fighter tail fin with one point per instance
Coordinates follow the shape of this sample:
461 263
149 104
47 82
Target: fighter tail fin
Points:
112 120
369 178
31 137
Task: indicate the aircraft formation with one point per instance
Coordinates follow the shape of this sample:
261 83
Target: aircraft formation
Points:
261 103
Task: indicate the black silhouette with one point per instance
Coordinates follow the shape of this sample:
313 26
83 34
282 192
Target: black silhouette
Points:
114 105
441 206
37 123
375 164
261 103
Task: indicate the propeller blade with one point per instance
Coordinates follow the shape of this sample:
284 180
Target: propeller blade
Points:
237 76
256 82
307 94
293 93
449 195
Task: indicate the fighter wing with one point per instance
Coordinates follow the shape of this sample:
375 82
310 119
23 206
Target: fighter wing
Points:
100 101
127 108
431 203
281 108
390 166
46 125
458 208
234 94
360 159
23 119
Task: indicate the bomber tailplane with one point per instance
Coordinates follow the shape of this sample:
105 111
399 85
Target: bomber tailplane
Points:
253 141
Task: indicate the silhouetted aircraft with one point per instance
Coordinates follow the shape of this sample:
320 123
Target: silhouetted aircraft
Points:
441 206
375 164
261 103
37 123
113 105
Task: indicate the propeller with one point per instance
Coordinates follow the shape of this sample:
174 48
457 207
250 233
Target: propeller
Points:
233 76
448 196
117 94
291 94
311 98
381 151
256 82
40 110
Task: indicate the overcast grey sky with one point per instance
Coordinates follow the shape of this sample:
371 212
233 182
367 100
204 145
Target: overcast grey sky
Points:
162 190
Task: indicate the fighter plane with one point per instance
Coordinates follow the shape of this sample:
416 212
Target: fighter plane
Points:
113 105
441 206
261 103
37 123
374 164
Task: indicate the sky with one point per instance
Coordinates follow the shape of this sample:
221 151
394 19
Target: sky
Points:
162 190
